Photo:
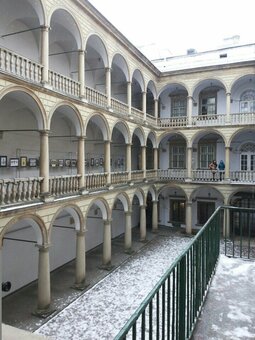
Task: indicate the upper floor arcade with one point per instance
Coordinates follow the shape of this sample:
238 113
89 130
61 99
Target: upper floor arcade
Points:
74 51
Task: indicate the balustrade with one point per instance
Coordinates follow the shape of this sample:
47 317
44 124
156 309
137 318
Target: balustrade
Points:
243 176
209 120
172 174
21 67
95 97
173 122
119 177
19 190
137 175
95 181
64 84
63 185
119 107
242 118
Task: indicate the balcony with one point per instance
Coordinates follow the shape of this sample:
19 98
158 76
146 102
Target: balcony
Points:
30 71
19 191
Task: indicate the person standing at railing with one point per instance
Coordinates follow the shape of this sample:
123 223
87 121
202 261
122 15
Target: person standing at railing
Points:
213 168
221 168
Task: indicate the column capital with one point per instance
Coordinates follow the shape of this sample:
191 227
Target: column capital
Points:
155 201
143 206
228 93
43 247
45 27
108 221
128 213
80 232
108 69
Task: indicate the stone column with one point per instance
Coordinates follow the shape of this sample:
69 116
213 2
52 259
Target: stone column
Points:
228 107
156 108
227 163
107 245
128 161
107 153
44 161
189 109
155 158
44 294
144 96
129 96
81 72
189 217
142 223
81 161
154 216
108 86
144 161
226 223
80 264
189 163
45 53
128 232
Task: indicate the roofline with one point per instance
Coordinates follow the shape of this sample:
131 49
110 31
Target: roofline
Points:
101 20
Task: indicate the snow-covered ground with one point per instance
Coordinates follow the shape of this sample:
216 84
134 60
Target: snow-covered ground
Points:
229 310
104 309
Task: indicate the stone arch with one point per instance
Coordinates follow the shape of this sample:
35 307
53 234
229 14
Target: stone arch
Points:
122 64
103 205
167 133
35 221
139 132
72 114
36 105
123 197
124 128
101 122
139 193
102 48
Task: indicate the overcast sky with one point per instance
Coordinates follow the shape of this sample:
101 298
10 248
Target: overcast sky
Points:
175 26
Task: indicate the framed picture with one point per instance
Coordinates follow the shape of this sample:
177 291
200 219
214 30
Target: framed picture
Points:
60 163
23 161
73 163
67 162
53 163
14 162
101 161
97 162
92 161
32 162
3 161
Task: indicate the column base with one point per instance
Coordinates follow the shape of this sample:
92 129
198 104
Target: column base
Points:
80 286
44 313
83 191
143 240
47 197
155 231
129 251
107 267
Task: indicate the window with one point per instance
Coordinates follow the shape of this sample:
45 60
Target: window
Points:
177 211
247 102
178 106
204 211
177 157
208 101
247 157
207 153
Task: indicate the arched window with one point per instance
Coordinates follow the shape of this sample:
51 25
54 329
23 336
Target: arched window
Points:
247 101
247 161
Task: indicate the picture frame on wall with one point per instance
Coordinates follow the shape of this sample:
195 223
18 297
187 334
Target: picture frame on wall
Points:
60 163
67 162
92 161
3 161
14 162
53 163
32 162
73 163
101 161
23 161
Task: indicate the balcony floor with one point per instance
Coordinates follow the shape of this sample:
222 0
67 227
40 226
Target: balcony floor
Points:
229 310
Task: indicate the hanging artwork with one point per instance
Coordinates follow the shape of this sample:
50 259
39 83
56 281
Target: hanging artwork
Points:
3 161
23 161
32 162
14 162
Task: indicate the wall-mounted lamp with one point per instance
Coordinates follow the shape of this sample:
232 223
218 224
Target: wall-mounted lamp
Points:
6 286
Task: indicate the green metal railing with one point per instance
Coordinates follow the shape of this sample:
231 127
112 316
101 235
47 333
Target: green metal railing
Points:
171 310
239 232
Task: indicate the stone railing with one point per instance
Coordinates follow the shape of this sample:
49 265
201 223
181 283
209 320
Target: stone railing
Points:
242 176
172 174
95 181
95 97
119 177
64 185
19 66
242 118
208 120
151 174
205 175
18 190
119 107
64 84
172 122
137 175
137 114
